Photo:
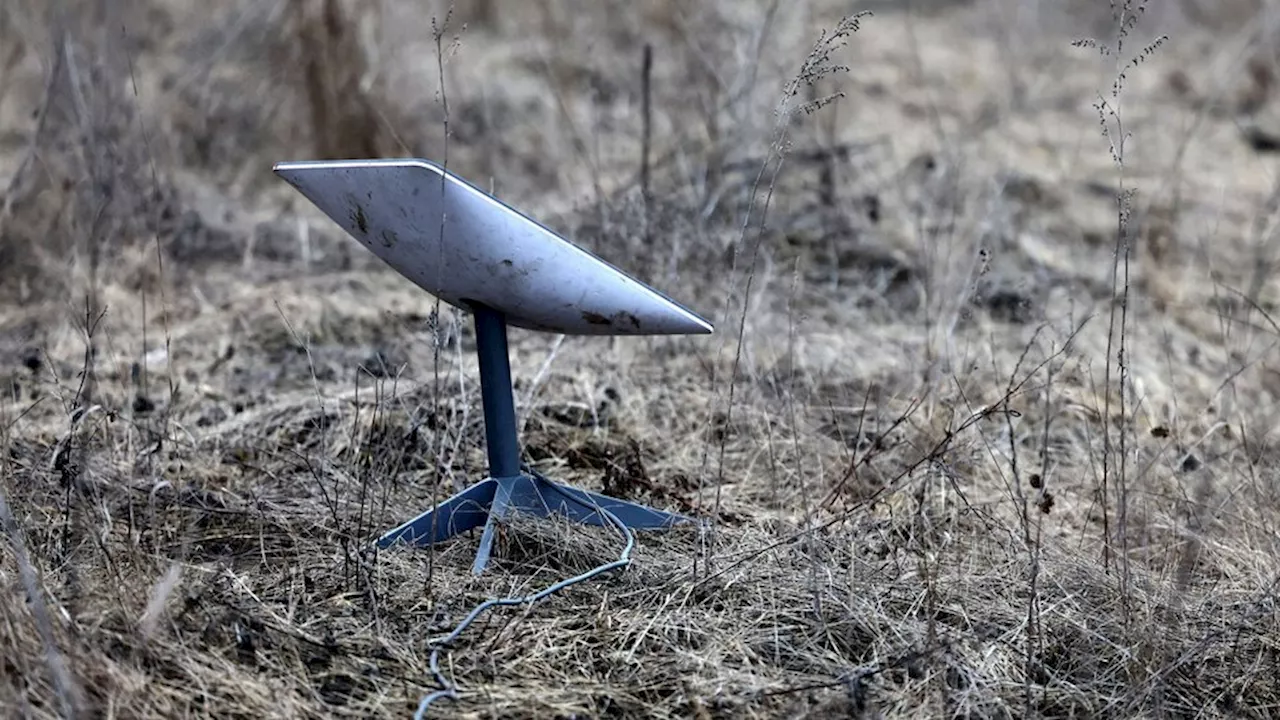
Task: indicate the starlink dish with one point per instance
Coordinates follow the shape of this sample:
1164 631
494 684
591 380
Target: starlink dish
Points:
484 251
470 250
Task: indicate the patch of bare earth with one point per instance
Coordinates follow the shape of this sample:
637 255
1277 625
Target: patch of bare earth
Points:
938 483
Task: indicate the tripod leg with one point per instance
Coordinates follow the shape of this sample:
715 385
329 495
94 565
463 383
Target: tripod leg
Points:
468 509
521 493
631 514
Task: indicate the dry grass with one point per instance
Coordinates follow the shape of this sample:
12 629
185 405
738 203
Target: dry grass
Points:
937 486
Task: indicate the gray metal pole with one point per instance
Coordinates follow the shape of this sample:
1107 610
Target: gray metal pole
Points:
496 393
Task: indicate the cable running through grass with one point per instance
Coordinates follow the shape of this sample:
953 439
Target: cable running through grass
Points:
448 689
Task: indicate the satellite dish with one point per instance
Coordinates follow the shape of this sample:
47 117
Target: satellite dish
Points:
470 250
488 252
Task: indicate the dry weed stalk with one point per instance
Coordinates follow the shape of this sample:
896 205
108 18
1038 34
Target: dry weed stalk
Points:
646 134
816 66
1110 116
439 30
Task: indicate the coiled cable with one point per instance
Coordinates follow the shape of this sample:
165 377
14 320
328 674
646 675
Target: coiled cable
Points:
448 689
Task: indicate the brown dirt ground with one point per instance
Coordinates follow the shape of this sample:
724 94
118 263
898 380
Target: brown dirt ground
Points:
931 493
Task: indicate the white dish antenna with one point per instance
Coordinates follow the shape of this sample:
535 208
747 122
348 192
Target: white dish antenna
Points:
484 251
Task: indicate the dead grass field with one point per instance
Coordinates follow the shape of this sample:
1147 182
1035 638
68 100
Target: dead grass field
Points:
976 439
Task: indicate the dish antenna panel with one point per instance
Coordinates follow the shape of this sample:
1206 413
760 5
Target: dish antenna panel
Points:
474 252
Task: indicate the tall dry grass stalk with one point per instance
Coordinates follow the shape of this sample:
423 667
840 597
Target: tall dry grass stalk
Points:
1115 463
816 66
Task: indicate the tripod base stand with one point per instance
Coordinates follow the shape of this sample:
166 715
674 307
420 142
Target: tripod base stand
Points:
509 488
492 499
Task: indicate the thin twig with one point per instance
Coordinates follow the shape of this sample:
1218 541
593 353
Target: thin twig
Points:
70 697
